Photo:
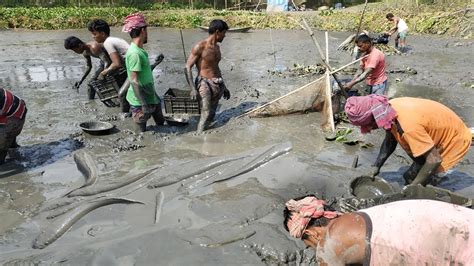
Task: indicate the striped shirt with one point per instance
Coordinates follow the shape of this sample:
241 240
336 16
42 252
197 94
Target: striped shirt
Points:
10 106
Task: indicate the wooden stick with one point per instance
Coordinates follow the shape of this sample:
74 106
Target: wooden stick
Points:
326 35
351 63
344 93
182 43
360 24
328 103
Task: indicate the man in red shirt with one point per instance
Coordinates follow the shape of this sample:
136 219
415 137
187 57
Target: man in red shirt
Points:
372 68
12 118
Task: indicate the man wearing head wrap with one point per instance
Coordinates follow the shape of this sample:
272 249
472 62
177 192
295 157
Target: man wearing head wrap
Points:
141 95
209 86
372 67
431 133
408 232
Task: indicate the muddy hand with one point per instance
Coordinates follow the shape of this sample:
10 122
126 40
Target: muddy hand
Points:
76 86
373 171
193 94
159 59
226 94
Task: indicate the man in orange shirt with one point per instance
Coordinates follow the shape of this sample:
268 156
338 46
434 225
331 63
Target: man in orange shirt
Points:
431 133
372 68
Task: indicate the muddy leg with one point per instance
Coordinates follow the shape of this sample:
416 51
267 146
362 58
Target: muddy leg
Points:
124 105
396 41
411 173
158 115
3 155
205 113
90 92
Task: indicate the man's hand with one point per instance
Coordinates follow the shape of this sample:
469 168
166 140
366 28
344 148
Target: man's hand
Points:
159 58
373 171
348 85
226 93
193 94
76 85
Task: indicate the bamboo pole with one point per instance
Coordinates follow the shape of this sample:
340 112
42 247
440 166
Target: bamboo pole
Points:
326 35
308 28
360 25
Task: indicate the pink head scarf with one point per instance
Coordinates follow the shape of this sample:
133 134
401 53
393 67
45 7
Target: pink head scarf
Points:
362 110
133 21
302 211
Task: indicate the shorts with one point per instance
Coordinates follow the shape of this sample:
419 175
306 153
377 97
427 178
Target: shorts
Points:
402 35
140 117
10 131
379 89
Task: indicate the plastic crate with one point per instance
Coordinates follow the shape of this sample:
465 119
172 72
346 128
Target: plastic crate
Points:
107 90
178 101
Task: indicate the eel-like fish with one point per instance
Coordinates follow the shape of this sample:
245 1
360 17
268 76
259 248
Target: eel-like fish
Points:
160 197
236 169
172 179
270 154
92 190
59 226
87 166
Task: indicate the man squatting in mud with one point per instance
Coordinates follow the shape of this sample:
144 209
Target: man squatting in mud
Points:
12 118
88 50
431 133
209 86
372 68
141 95
116 48
407 232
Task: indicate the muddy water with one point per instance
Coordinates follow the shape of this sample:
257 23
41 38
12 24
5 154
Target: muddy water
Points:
234 221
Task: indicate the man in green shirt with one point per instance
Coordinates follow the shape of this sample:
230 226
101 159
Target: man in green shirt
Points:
141 95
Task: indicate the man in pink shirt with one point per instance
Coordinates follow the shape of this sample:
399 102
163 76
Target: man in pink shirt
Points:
372 68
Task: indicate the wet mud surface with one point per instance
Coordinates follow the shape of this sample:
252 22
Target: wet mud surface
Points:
215 198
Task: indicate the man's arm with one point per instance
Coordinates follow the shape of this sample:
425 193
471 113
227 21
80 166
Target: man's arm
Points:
116 63
88 70
432 162
192 60
394 28
139 91
388 147
358 77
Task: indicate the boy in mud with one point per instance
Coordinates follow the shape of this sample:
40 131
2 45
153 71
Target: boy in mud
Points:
116 48
407 232
209 86
12 118
141 95
372 68
431 133
399 26
88 50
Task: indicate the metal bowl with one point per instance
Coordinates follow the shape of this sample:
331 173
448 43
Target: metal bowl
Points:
176 121
96 127
366 188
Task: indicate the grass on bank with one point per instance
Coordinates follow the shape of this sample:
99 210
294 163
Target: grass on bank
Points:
428 19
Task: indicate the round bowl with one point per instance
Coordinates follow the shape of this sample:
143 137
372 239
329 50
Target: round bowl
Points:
176 121
366 188
96 127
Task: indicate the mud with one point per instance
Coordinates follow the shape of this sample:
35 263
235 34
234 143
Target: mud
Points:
237 220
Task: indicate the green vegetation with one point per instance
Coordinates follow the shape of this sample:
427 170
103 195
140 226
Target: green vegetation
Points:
427 19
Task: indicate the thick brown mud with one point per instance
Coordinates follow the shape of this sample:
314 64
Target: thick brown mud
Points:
235 220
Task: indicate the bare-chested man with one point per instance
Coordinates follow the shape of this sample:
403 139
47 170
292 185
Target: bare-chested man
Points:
209 86
88 50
